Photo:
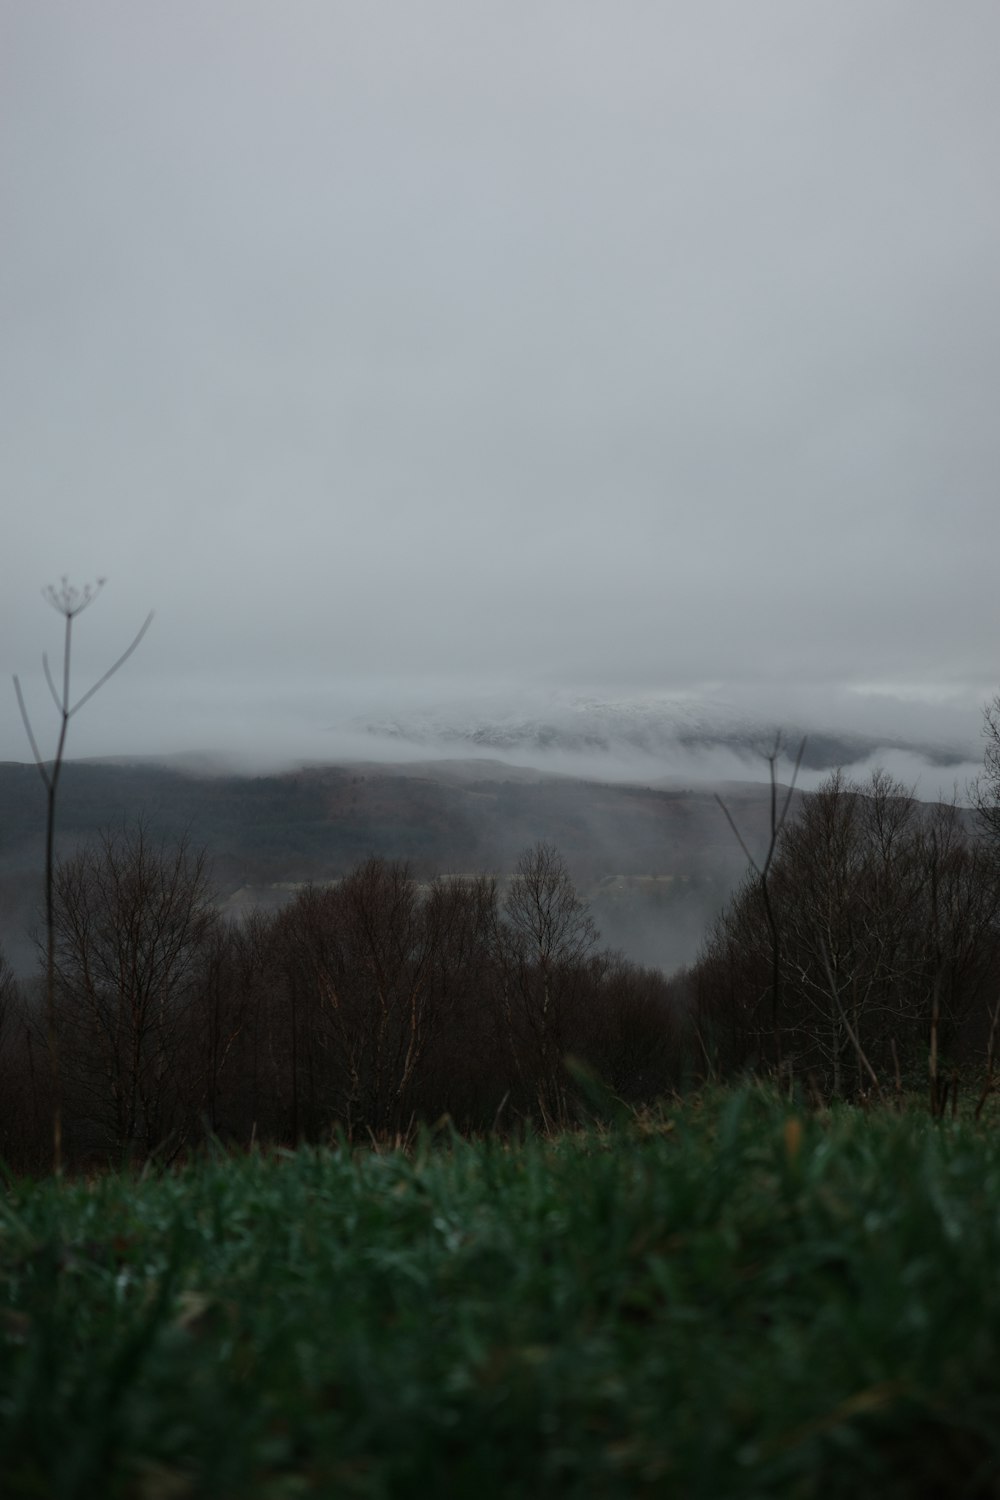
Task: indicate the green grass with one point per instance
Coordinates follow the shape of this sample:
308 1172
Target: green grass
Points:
737 1302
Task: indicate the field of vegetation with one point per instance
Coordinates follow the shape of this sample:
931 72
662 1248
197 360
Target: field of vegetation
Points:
738 1296
565 1286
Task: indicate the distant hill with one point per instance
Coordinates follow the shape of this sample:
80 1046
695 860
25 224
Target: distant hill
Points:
655 862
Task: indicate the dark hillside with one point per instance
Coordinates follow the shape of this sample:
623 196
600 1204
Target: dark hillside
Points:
620 842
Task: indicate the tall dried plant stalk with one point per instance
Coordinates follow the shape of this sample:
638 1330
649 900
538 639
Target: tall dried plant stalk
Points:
68 602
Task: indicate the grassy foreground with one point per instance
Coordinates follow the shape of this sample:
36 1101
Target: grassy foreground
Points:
737 1301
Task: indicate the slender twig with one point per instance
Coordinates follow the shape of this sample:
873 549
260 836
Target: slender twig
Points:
739 837
500 1109
30 733
113 669
48 679
855 1040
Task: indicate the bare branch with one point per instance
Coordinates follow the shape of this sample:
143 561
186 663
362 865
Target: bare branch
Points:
845 1021
777 821
48 679
112 669
739 837
30 733
776 829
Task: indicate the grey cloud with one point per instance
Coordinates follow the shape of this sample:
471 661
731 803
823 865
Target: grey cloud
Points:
603 346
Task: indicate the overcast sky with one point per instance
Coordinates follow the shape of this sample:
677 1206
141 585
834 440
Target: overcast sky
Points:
394 352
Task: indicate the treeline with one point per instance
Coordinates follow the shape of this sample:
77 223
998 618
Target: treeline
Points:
868 958
367 1005
863 960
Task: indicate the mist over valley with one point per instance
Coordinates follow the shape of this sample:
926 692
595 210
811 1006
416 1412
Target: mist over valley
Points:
625 789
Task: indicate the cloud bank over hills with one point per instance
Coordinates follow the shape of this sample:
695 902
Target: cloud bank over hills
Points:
396 355
931 742
683 738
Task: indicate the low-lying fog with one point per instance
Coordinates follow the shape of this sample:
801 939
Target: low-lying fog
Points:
711 740
718 733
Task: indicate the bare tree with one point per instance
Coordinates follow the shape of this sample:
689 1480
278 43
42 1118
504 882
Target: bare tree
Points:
359 1006
134 922
68 602
888 914
762 872
225 1020
986 790
546 934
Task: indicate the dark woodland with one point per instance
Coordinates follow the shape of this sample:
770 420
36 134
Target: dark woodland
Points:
389 995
